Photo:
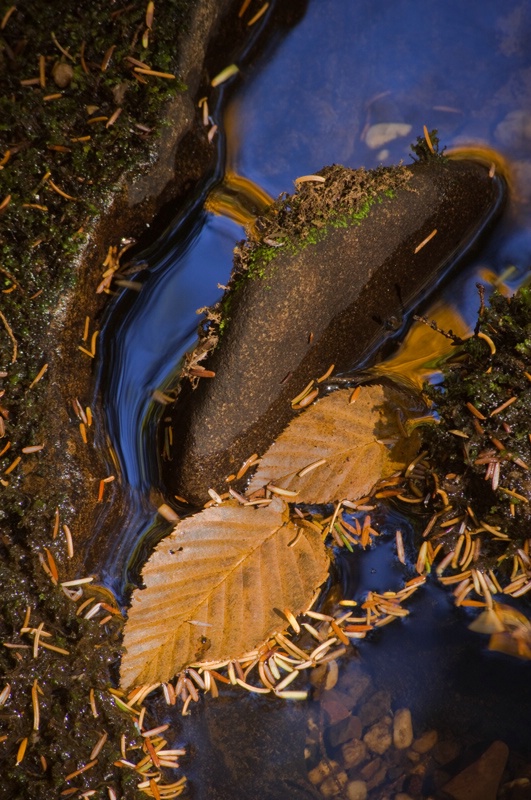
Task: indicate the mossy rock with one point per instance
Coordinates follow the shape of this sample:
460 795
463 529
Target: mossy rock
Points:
330 272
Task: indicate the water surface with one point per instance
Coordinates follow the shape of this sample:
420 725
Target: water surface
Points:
313 98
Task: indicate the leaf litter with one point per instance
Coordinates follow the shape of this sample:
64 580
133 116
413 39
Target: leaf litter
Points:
224 590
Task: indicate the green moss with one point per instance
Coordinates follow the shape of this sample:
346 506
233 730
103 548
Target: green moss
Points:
477 382
294 222
38 245
422 151
38 251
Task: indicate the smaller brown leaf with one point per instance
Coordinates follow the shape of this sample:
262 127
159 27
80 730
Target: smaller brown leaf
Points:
336 449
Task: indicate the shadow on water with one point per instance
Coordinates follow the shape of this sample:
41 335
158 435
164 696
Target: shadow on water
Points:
352 83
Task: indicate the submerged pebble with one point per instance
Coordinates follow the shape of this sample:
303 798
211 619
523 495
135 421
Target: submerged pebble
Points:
384 760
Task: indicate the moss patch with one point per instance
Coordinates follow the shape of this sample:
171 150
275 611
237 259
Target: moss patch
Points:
342 198
339 198
481 451
66 155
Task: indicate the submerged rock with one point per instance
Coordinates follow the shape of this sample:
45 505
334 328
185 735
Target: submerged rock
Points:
481 780
332 272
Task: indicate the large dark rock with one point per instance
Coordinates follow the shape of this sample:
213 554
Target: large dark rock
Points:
344 277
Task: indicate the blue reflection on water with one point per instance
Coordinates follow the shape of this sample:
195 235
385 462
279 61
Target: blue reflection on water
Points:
142 354
353 64
346 66
156 332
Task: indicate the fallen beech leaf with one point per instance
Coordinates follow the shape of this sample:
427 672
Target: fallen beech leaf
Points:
348 438
230 568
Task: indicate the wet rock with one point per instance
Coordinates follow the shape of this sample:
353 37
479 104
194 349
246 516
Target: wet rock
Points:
325 676
480 781
374 773
344 731
425 743
334 785
353 753
402 729
323 770
414 786
357 790
326 296
379 738
355 683
337 705
519 789
332 675
371 769
376 707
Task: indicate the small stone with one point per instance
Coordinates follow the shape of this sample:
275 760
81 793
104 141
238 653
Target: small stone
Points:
420 768
353 753
334 785
446 751
480 780
337 705
119 92
325 676
335 710
357 790
322 771
425 743
344 731
414 785
318 676
375 708
378 738
356 683
62 75
371 769
374 773
519 789
332 675
402 729
402 796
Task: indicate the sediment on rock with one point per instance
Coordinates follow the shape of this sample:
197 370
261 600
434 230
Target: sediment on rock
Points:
318 286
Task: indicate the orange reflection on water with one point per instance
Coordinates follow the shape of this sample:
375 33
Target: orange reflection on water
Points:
424 350
238 198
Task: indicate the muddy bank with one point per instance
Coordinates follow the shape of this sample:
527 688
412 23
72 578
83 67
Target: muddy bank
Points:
100 131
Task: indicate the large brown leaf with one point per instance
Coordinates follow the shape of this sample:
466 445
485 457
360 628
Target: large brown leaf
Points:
360 443
233 568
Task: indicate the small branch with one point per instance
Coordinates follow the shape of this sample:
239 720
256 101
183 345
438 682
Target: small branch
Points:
433 325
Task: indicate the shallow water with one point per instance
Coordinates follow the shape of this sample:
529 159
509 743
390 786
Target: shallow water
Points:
311 99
